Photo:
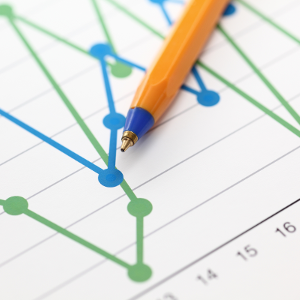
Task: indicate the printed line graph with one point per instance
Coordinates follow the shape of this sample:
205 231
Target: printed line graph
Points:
111 177
213 251
161 4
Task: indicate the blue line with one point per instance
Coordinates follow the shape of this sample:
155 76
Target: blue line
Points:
194 70
52 143
175 1
165 13
112 149
198 78
111 104
110 100
188 89
127 62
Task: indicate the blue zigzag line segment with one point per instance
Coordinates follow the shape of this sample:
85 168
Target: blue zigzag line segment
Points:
52 143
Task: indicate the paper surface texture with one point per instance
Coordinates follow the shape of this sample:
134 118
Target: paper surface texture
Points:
204 206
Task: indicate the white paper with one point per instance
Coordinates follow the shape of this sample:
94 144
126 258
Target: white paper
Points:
223 180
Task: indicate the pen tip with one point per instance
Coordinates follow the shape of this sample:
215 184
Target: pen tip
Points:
126 143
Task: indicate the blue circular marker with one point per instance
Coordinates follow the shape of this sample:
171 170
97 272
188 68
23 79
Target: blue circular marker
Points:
101 50
157 1
110 178
230 10
208 98
114 121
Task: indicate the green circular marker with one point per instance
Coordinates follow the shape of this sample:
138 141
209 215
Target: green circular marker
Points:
120 70
6 10
139 207
139 272
15 205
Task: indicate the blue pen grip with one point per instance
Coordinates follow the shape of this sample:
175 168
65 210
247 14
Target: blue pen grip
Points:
139 121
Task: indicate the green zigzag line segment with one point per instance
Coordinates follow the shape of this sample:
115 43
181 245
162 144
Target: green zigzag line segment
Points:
75 238
17 205
270 21
231 85
97 146
102 23
138 272
252 100
51 34
71 108
255 69
124 185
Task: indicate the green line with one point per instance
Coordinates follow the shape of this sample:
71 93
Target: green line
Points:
102 23
2 202
230 85
269 21
98 147
73 111
140 239
64 98
45 31
261 76
128 191
134 17
76 238
251 100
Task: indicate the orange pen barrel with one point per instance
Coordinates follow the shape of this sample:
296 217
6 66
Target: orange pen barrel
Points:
171 66
177 56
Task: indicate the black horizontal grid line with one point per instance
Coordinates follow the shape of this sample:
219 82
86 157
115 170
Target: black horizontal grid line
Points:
163 172
65 129
44 48
165 225
210 253
101 109
71 34
154 128
289 52
32 11
238 34
158 175
244 31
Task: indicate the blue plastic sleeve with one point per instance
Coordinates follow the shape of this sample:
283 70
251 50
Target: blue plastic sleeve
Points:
139 121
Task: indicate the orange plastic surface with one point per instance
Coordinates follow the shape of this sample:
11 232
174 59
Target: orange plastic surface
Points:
177 55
